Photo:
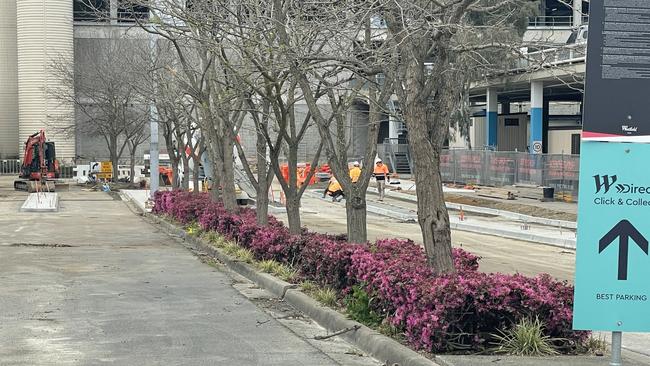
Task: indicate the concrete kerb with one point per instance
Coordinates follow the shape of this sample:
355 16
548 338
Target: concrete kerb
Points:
537 239
373 343
555 242
491 211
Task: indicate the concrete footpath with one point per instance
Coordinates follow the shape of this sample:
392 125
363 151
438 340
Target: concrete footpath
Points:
94 284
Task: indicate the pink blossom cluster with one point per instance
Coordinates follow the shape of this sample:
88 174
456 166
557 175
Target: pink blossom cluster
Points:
439 313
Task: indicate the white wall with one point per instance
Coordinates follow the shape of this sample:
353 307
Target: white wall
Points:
44 33
8 81
559 141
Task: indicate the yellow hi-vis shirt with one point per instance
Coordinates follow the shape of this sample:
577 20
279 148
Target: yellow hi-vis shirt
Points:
355 173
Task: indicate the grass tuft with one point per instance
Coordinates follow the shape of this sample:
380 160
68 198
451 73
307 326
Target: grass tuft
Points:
525 338
244 255
308 287
268 266
285 272
595 346
231 248
325 296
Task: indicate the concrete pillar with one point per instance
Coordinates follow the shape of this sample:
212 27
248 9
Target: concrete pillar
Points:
505 107
393 128
536 117
577 13
545 118
492 118
113 11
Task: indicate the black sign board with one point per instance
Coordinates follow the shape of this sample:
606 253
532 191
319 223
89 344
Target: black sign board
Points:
617 88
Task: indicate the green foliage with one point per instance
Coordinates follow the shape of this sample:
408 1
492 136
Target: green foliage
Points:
525 338
285 272
389 330
595 346
308 287
231 248
325 296
358 306
215 239
277 269
244 255
268 265
193 229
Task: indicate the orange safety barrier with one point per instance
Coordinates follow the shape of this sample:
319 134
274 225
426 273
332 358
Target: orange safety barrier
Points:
301 174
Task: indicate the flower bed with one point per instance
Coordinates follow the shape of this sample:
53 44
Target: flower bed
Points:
438 313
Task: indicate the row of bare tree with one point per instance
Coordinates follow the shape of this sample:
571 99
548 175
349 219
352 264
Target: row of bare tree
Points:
219 66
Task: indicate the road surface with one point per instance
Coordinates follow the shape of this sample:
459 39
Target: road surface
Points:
94 284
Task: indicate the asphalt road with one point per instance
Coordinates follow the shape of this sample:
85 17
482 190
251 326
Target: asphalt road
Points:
94 284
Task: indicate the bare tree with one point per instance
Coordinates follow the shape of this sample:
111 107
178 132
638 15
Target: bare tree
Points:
338 59
105 95
440 44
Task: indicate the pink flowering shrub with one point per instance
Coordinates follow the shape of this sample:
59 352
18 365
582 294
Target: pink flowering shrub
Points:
438 313
327 261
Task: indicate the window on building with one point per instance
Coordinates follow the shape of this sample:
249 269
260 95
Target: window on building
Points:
90 10
511 122
131 13
575 144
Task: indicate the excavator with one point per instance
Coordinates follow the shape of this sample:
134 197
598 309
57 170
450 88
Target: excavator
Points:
39 166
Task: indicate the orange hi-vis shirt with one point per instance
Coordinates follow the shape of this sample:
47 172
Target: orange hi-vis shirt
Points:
355 173
380 170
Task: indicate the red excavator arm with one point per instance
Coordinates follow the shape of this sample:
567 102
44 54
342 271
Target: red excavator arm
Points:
39 160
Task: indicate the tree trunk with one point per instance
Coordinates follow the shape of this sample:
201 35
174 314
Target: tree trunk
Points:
195 174
176 178
293 212
355 209
432 211
186 171
262 199
132 167
228 178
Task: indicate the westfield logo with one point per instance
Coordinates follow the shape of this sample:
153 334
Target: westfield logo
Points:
604 182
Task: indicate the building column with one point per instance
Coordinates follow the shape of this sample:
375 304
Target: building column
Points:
393 128
536 117
492 118
545 118
577 13
112 10
505 107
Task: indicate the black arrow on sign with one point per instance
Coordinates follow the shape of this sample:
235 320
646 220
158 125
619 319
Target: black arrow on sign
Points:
623 230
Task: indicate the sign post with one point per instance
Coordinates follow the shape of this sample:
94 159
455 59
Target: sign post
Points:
612 262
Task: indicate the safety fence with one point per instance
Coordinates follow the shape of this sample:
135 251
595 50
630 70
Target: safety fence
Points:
498 169
12 167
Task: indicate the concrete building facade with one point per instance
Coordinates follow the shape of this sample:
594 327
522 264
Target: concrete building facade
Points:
8 81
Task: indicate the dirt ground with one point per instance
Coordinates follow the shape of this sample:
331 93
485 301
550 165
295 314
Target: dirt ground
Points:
512 206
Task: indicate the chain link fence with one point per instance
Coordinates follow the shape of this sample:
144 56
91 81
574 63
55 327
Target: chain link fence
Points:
498 169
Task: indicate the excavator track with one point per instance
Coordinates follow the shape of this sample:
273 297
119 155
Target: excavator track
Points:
21 185
32 185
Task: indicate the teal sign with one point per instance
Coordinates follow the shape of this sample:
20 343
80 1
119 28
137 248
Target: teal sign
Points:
612 284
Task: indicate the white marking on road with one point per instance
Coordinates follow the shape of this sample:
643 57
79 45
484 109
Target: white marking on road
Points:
20 228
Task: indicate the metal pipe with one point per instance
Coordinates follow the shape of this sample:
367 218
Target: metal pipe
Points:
617 341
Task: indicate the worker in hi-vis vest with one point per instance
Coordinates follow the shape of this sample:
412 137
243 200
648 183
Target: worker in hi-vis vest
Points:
355 172
381 176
